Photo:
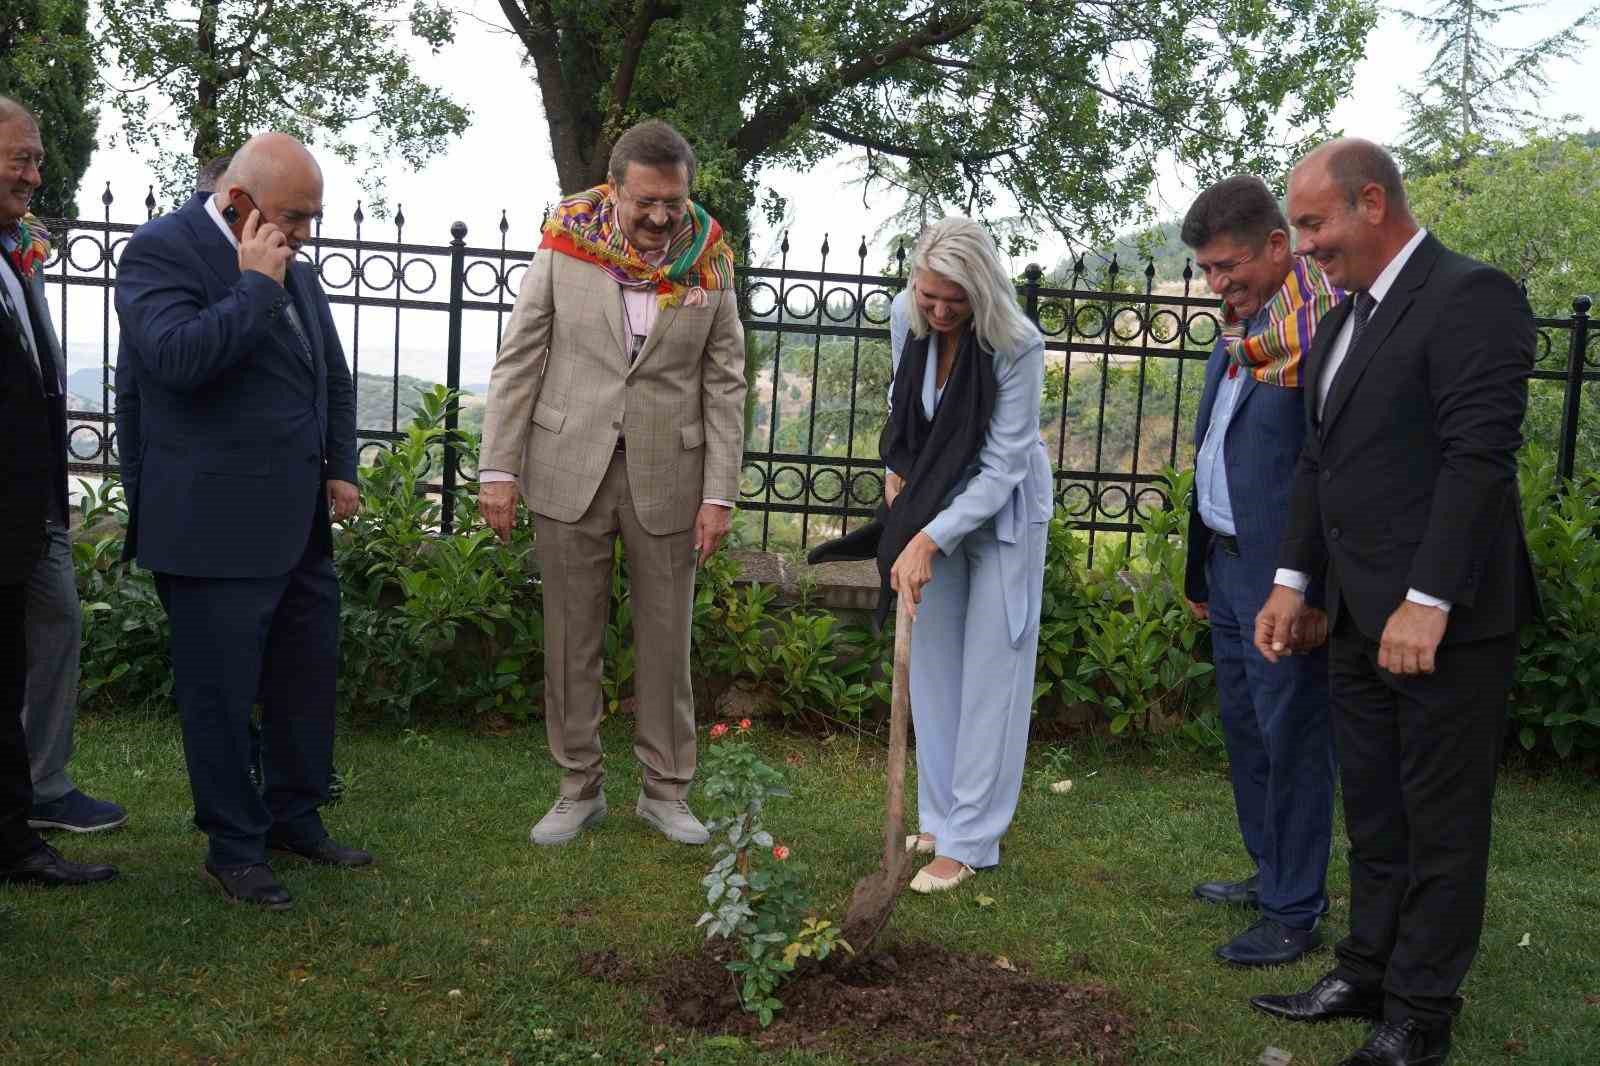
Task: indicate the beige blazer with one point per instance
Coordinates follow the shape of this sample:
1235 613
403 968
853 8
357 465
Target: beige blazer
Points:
562 392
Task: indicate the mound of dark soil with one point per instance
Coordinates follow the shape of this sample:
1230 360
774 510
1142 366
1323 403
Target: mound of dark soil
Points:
928 1005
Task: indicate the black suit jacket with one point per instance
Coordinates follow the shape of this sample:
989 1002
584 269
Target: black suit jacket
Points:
230 427
1409 477
33 432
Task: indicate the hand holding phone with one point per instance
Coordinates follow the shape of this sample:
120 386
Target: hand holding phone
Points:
262 246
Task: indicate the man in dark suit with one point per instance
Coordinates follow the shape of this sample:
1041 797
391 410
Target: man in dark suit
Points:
1250 426
1406 498
245 439
33 489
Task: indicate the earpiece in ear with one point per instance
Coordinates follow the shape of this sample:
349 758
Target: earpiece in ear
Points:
230 214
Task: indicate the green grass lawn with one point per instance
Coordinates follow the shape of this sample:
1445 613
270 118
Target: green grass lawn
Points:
461 946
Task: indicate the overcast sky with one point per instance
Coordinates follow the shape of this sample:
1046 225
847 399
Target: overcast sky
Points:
503 161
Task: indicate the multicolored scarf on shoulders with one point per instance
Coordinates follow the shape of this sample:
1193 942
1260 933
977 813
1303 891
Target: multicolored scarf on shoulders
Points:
1274 354
585 227
27 244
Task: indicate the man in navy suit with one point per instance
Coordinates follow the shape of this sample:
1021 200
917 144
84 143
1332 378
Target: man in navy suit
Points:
245 440
1274 715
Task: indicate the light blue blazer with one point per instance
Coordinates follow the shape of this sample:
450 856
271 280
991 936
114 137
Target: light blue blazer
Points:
1009 486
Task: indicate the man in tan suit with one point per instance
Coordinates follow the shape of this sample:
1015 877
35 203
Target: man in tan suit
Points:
617 405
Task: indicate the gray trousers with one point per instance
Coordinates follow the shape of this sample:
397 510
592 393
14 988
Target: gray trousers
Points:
575 569
55 634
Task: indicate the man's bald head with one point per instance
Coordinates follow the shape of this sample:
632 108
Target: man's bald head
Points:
275 174
1347 204
1353 163
269 159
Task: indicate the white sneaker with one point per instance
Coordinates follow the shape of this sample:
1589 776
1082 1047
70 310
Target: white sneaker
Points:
567 818
674 819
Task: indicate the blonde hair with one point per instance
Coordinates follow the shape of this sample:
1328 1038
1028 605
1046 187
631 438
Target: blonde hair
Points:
959 249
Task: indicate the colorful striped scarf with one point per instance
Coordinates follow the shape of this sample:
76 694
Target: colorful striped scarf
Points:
585 227
1274 354
27 244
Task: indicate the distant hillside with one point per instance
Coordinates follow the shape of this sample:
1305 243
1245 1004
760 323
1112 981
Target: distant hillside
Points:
1132 250
375 399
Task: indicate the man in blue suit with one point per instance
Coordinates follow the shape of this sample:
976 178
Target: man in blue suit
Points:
242 440
1250 428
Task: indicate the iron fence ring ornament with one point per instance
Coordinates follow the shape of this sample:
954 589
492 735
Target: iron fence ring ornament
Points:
874 299
788 301
1122 507
405 275
1120 316
848 304
1145 496
764 289
370 278
93 241
1065 494
493 286
1098 318
337 259
94 432
777 473
873 479
518 270
838 490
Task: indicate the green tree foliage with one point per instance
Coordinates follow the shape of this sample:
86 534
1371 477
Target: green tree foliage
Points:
1532 210
1475 89
1054 109
49 65
328 71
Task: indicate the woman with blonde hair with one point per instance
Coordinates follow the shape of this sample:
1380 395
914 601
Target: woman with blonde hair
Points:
968 491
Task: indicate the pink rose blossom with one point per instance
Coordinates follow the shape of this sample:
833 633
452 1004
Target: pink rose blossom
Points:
717 730
781 852
744 725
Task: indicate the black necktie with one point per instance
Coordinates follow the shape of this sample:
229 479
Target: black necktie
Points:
1362 312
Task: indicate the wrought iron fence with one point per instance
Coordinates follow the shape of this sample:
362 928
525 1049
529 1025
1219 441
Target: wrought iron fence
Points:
1120 392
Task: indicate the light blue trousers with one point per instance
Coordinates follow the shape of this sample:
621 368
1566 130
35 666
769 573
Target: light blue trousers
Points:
972 697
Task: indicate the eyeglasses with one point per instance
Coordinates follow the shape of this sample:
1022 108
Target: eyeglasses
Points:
1226 267
675 206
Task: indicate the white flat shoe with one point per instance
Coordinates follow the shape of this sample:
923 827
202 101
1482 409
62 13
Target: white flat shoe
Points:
925 882
915 843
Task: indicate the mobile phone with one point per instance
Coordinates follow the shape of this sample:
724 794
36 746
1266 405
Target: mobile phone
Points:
232 214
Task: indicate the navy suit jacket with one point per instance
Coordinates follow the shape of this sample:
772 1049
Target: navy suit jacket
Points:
1263 445
227 428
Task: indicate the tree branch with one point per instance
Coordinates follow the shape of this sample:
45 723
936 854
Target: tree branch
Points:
772 123
543 44
632 52
839 133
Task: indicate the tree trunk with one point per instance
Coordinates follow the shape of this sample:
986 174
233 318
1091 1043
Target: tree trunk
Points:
206 136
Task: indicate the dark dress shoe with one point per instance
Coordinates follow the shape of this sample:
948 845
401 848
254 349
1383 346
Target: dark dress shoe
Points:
1407 1043
46 866
250 884
1330 999
324 852
1246 893
1269 943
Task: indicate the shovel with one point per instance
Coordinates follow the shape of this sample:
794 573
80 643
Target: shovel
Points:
873 900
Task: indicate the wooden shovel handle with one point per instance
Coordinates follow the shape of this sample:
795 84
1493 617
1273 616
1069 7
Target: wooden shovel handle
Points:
899 714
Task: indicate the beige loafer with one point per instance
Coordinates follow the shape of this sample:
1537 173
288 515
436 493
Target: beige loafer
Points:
915 843
926 882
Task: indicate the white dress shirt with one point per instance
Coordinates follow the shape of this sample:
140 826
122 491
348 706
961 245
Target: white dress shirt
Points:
1299 580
